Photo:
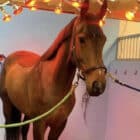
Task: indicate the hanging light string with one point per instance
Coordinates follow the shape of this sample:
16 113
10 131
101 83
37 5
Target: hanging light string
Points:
5 3
16 10
130 15
102 21
32 5
6 17
58 9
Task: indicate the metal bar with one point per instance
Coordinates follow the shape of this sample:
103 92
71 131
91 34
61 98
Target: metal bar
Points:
129 47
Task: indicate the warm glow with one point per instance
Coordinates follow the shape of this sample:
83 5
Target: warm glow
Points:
101 23
32 8
76 4
58 10
46 1
31 3
129 15
6 18
17 10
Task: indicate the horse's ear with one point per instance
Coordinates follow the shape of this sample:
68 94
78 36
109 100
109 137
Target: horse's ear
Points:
102 11
84 8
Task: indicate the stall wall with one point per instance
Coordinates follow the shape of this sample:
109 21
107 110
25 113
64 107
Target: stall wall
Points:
128 28
35 31
123 119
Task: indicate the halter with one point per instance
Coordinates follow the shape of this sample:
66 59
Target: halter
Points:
81 69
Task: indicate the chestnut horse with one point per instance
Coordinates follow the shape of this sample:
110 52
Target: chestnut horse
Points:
31 84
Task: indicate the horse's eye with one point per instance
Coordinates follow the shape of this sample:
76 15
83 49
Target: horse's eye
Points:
82 39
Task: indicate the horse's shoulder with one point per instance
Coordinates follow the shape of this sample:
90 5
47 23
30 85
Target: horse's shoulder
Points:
24 58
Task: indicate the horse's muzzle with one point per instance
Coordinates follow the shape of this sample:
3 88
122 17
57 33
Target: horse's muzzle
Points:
97 89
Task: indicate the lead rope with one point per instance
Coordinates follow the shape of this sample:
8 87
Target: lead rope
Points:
44 114
121 83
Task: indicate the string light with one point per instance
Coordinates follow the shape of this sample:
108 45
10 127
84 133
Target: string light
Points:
130 15
58 9
76 3
33 8
17 9
30 3
46 1
102 21
5 3
6 16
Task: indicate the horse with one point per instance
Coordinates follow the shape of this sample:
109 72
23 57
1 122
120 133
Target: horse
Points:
32 84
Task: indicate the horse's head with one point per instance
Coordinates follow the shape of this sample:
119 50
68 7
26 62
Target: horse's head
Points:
88 41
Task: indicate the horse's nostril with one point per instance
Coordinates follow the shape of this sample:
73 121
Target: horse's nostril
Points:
97 87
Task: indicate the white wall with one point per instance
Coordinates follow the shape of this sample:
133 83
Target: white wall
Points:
33 31
128 28
123 119
111 30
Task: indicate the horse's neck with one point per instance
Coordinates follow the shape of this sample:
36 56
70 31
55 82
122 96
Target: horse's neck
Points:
60 71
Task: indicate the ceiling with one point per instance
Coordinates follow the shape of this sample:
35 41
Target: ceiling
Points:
117 8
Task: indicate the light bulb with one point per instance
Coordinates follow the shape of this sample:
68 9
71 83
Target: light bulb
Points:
33 8
58 10
6 18
101 23
30 3
130 15
46 1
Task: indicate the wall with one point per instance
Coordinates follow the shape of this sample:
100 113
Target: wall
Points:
35 31
111 30
128 28
123 118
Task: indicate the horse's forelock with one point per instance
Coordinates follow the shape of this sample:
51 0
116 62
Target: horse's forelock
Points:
61 37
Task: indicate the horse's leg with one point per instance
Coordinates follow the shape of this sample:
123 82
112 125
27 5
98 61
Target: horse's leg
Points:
24 129
12 115
56 131
39 128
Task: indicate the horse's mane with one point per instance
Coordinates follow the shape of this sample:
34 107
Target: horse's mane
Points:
61 37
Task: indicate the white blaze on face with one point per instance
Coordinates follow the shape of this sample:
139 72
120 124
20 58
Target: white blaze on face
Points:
100 72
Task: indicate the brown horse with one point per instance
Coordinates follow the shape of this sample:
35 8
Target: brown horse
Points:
31 84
